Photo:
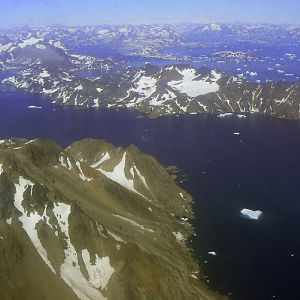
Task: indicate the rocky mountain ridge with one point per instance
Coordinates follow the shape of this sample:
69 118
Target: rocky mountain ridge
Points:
174 89
149 40
93 221
32 50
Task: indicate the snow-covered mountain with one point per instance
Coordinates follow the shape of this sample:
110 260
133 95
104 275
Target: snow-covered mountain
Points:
51 62
32 50
92 221
49 53
150 40
175 89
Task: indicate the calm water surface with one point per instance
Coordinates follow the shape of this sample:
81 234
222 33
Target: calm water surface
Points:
257 169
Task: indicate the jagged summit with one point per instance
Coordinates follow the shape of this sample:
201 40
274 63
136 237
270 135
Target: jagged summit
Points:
134 170
93 221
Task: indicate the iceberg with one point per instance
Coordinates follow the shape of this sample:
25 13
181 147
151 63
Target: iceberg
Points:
251 214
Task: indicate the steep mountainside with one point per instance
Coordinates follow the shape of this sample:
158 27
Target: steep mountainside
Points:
175 89
33 50
23 52
92 221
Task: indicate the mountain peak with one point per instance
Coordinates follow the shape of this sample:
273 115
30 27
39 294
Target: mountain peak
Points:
80 221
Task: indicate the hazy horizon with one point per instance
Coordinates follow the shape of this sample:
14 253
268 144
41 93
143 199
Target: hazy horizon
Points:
117 12
143 24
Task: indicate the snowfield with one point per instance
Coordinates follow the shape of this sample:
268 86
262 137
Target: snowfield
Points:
193 87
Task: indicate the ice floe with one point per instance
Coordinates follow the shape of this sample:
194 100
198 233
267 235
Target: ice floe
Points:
34 107
241 116
225 115
251 214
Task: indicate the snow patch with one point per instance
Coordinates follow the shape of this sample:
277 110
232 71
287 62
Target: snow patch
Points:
67 165
29 220
79 88
145 86
50 91
99 272
70 270
44 74
115 237
104 158
81 174
5 47
118 175
141 177
179 236
194 87
29 42
40 47
142 228
213 27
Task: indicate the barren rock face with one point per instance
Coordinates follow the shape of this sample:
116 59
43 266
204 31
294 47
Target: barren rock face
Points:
93 221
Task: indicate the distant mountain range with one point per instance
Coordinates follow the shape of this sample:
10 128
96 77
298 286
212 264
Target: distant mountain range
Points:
175 89
149 39
92 221
32 50
47 63
95 221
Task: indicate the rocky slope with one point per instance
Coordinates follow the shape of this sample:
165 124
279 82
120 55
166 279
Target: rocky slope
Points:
32 50
23 52
175 89
92 221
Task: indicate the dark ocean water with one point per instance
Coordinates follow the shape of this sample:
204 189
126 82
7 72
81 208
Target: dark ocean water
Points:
257 169
267 61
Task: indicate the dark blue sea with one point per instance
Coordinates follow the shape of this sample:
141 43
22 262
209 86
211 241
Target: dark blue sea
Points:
224 172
